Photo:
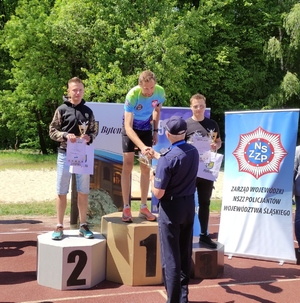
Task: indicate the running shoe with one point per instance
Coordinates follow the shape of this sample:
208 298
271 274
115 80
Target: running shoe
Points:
146 214
84 231
58 233
127 217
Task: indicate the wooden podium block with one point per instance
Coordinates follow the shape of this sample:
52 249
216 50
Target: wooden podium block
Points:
71 263
207 263
133 253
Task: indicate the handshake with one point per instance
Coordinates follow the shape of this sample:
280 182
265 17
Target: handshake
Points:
148 153
146 159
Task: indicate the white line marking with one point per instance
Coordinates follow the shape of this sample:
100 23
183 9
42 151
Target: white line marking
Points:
161 292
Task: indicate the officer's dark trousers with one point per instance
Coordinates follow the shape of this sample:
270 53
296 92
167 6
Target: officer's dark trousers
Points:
204 190
175 223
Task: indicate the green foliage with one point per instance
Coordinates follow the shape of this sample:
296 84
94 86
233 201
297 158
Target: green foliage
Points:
240 54
226 61
291 24
34 75
290 85
284 50
128 41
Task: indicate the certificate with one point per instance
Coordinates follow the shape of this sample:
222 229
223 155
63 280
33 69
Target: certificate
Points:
76 152
203 146
86 168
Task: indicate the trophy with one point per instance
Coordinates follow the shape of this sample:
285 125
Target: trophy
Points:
213 135
144 159
83 127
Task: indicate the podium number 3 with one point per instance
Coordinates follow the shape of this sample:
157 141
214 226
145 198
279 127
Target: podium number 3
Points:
206 265
82 259
150 244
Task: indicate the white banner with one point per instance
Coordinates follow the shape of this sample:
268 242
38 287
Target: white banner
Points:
109 117
256 215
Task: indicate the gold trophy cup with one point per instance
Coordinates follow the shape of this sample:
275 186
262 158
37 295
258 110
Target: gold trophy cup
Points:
83 128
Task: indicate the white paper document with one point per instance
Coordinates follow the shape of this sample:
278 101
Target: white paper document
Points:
76 152
86 168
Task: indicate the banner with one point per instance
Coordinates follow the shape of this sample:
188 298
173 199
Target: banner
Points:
108 147
256 214
108 142
163 142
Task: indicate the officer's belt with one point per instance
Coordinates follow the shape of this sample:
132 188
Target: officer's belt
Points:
174 198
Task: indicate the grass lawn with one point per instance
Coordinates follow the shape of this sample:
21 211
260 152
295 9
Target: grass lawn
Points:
24 159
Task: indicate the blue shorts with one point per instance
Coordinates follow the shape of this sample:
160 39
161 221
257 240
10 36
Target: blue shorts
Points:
64 177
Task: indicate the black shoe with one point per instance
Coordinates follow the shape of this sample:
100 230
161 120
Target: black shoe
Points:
207 240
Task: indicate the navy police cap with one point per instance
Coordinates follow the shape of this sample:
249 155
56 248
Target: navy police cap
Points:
176 125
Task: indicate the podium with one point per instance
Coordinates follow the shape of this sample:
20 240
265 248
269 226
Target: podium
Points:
133 251
71 263
207 263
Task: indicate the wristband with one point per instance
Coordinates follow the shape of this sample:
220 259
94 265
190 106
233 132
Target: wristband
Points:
155 130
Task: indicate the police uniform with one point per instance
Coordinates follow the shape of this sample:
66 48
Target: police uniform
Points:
176 173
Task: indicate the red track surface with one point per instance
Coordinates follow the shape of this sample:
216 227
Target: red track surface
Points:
244 280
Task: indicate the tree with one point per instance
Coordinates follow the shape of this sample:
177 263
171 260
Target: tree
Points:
284 50
226 60
209 46
41 68
131 37
7 137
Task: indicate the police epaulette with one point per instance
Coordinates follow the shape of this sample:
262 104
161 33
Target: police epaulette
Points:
164 151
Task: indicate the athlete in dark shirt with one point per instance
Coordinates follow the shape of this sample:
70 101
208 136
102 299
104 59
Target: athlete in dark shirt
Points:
203 126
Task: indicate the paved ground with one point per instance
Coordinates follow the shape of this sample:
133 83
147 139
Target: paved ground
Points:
244 280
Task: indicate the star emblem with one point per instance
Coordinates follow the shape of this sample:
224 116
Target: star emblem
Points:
259 152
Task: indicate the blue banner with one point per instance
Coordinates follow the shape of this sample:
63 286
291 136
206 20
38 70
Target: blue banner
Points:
256 215
163 142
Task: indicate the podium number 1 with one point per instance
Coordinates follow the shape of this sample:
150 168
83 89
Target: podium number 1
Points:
150 244
82 259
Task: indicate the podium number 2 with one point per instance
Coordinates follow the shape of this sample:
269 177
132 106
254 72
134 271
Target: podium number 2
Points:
150 244
82 259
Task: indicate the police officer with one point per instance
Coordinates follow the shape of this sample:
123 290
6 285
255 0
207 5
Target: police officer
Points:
174 186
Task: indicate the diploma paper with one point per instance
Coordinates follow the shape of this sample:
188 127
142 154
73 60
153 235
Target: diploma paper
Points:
76 152
87 168
203 146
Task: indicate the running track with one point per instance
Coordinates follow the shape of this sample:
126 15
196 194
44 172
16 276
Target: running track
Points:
244 280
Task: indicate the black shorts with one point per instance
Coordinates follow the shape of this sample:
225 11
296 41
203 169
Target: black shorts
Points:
128 146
